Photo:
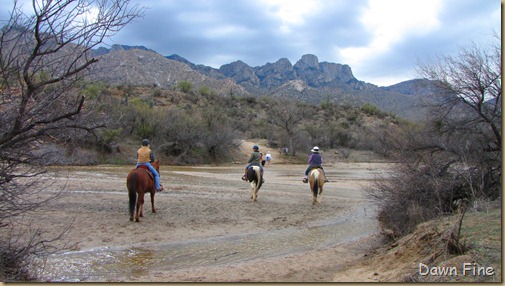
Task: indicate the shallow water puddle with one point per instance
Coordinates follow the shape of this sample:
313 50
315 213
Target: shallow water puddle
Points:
126 264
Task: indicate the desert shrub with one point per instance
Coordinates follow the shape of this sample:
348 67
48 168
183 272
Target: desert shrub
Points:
371 109
413 194
13 265
185 86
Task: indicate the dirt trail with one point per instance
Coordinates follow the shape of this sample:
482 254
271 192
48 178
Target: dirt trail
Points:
206 228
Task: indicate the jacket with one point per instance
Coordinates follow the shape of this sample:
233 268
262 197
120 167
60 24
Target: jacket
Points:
144 155
315 159
255 158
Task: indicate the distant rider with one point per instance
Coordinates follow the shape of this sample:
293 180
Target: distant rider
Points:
315 161
254 160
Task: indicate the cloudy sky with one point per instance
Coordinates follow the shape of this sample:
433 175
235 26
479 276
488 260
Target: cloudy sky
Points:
381 40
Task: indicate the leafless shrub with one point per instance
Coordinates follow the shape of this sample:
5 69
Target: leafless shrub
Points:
456 155
43 58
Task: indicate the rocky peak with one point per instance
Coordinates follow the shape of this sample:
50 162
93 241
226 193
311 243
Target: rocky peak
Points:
276 74
307 62
241 73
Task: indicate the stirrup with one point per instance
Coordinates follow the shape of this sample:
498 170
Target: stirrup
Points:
244 178
305 180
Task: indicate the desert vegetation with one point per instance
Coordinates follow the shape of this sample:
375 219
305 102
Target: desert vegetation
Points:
452 161
50 114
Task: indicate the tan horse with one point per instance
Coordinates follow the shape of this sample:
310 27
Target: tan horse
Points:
254 176
316 182
139 181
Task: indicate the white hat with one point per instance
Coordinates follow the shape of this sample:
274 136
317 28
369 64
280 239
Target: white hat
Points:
315 149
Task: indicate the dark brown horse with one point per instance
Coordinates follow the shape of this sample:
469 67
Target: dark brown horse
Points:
139 181
316 182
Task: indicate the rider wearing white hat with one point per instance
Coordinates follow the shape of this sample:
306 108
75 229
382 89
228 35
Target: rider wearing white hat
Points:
315 161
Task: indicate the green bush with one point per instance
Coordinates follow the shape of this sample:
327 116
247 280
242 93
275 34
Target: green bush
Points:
185 86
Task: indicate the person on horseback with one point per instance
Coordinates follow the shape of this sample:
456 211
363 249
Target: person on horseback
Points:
254 160
315 161
145 157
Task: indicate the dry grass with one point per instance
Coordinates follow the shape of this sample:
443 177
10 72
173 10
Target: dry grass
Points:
400 261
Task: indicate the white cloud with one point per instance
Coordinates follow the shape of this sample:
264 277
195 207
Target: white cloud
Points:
389 21
292 12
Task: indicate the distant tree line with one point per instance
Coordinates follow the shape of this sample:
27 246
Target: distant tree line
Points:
195 127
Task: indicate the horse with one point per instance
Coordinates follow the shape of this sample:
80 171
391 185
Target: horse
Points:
254 177
316 182
140 181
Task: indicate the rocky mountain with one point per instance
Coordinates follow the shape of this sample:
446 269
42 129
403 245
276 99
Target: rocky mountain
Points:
308 79
144 67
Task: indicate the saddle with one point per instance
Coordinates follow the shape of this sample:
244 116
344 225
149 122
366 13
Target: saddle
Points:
147 170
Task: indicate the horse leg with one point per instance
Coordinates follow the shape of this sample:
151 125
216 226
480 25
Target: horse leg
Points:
314 189
137 211
321 193
254 191
152 200
140 204
141 199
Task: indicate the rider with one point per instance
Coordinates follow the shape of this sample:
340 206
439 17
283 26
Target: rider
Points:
315 161
145 157
254 160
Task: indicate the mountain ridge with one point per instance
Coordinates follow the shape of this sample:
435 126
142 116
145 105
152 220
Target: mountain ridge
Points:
308 79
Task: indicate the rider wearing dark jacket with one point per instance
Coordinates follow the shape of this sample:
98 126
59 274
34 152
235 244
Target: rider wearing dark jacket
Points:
315 161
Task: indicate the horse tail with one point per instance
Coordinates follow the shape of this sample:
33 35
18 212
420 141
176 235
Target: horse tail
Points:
132 193
258 177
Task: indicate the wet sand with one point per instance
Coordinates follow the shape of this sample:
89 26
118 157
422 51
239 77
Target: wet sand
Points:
206 228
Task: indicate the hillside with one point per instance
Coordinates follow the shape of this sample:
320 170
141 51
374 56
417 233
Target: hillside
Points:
307 80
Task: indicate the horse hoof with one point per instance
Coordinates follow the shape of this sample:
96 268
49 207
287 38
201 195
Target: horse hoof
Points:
131 219
137 220
154 211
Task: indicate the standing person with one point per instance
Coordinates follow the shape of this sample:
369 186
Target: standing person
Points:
262 159
254 160
268 157
145 157
315 161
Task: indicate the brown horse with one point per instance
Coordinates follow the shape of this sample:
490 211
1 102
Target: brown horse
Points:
254 176
316 182
139 181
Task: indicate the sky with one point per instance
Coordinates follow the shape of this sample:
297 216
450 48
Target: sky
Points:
381 40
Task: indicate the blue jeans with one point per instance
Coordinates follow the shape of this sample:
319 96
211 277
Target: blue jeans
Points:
155 174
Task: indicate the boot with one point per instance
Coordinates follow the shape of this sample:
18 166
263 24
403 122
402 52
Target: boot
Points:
305 180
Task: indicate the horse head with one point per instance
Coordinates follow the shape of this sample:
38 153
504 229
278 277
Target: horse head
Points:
156 165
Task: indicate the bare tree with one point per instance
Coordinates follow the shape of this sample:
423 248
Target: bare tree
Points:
471 81
468 116
288 116
43 59
455 158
